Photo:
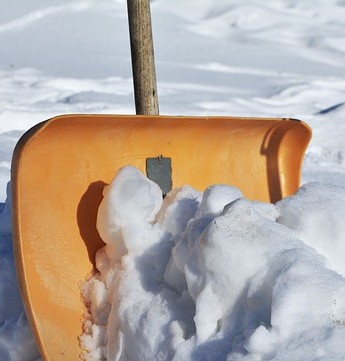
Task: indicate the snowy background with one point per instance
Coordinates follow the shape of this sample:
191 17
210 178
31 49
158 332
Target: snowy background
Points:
281 58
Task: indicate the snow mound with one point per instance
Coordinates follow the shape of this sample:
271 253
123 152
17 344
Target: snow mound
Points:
215 276
16 341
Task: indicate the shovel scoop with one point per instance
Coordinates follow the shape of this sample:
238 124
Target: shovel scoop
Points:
61 166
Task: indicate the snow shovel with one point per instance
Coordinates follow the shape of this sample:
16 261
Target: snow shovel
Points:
61 166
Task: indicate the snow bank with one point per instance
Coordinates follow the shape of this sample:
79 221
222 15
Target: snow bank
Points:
16 341
215 276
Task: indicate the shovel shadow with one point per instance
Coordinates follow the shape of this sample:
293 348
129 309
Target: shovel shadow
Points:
87 218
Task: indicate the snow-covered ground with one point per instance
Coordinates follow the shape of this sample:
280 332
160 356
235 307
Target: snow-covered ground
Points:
281 58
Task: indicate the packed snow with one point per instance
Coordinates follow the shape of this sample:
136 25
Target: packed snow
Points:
282 58
213 276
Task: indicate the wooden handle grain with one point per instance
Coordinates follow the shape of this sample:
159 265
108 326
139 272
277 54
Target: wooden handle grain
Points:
143 64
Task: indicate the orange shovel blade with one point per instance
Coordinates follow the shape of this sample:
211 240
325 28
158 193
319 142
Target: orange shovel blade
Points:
61 166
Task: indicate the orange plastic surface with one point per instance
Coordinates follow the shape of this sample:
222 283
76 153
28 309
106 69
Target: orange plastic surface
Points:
61 166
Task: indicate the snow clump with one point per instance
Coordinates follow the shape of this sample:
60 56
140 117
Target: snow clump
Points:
214 276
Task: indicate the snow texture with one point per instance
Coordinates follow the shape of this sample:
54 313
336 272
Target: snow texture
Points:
281 58
214 276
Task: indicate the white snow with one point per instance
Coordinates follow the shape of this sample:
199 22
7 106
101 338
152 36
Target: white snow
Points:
214 276
280 58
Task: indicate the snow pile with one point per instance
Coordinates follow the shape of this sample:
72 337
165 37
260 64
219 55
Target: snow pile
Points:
215 276
14 329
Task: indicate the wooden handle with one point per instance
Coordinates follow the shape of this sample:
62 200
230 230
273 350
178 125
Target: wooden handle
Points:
143 64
